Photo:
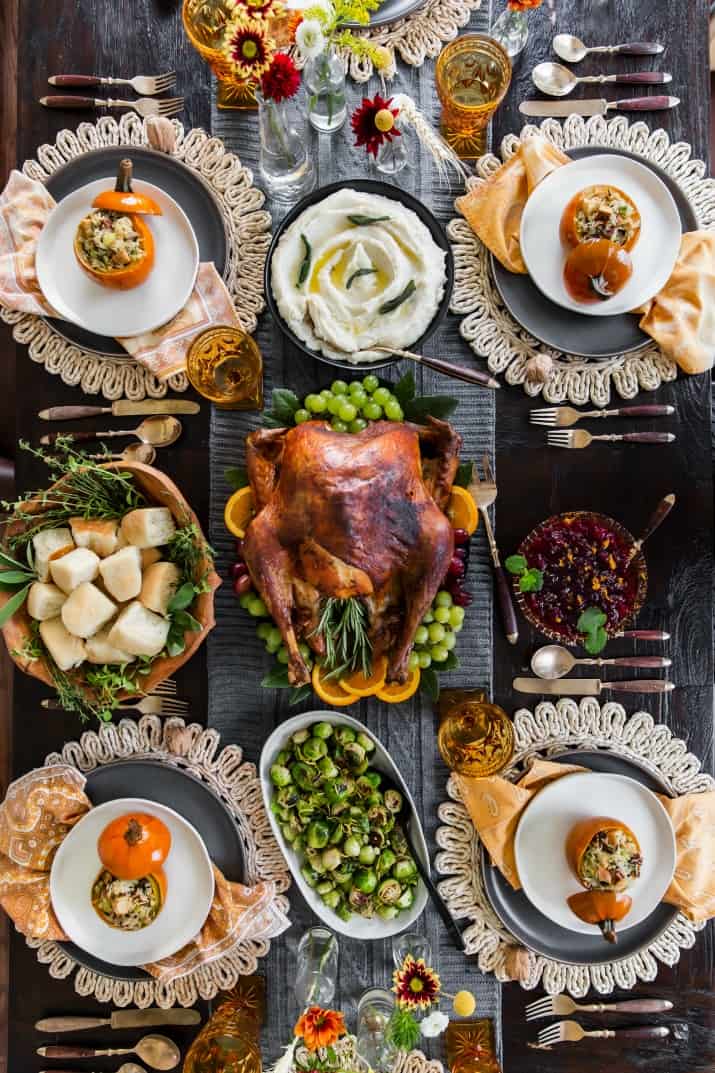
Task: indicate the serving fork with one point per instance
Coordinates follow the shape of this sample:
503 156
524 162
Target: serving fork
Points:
146 85
578 437
571 1032
562 1005
563 416
484 492
147 706
145 106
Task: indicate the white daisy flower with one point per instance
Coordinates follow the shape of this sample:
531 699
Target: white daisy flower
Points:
434 1024
309 38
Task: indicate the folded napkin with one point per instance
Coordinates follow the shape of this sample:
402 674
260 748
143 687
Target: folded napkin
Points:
38 812
25 205
680 318
495 806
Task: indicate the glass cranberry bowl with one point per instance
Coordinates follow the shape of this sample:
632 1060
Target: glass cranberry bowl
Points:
584 559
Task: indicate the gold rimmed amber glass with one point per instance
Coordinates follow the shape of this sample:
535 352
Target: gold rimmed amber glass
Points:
225 365
473 74
476 737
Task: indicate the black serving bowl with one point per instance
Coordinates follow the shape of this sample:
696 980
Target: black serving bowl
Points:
368 186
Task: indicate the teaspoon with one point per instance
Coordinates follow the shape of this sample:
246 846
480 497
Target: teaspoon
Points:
158 431
572 49
558 81
554 661
159 1052
135 452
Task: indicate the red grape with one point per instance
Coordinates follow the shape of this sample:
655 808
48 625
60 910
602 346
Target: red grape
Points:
239 549
455 568
461 536
238 570
242 584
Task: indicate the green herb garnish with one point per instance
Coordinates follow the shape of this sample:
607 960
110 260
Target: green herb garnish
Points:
591 624
357 274
395 303
364 221
305 263
530 578
403 1031
343 626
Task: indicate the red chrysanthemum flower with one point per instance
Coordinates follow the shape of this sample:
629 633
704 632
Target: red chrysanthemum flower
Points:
374 123
281 80
415 984
523 5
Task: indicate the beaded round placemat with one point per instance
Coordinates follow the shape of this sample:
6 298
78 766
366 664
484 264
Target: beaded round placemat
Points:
549 730
488 326
247 229
198 751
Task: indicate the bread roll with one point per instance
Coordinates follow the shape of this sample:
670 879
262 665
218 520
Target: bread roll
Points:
72 569
97 535
139 631
45 544
148 527
67 651
160 582
122 573
86 610
149 556
44 600
99 650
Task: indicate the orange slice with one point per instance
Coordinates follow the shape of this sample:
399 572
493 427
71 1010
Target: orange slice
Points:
462 510
395 693
239 512
360 686
330 691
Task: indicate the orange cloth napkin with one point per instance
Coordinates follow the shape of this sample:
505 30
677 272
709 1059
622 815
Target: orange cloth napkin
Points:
25 205
41 808
495 806
680 318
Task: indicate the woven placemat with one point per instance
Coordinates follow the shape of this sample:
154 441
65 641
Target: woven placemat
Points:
196 750
488 326
546 732
248 232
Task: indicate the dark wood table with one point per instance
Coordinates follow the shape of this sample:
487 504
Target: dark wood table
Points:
137 35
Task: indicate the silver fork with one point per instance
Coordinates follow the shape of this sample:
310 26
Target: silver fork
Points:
578 438
563 416
167 688
562 1006
145 106
484 492
147 706
571 1032
146 85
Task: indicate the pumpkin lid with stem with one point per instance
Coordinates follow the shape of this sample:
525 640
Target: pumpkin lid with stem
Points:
604 908
123 198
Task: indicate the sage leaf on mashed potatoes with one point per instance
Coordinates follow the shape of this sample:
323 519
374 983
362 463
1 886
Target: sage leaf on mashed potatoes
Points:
305 263
363 221
395 303
357 274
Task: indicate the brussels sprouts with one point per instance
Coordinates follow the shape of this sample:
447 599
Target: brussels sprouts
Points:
376 838
351 847
363 903
339 789
406 899
387 912
404 869
303 776
365 880
364 786
314 749
337 834
389 891
343 911
287 797
377 815
398 842
367 855
344 873
332 899
283 757
327 768
321 730
355 757
280 775
385 862
288 833
314 858
300 736
324 887
367 743
344 735
309 875
331 858
393 800
318 834
375 798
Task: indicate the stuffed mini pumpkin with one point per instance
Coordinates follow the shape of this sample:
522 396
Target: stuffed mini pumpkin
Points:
605 857
113 244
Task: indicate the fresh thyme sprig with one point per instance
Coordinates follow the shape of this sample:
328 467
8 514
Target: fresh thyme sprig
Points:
343 625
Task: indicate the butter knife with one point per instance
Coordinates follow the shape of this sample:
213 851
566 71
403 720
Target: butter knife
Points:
590 687
597 106
121 408
120 1019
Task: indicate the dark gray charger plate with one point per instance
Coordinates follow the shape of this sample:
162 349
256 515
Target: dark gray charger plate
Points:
391 11
541 934
192 799
164 171
572 333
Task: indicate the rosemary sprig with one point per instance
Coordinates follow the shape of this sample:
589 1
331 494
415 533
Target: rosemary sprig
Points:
343 625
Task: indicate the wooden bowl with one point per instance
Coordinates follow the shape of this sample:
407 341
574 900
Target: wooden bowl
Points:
159 491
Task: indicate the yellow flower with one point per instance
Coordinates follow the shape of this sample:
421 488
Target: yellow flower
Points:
384 120
464 1004
382 58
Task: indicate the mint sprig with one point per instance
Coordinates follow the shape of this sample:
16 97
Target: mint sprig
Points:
591 625
531 579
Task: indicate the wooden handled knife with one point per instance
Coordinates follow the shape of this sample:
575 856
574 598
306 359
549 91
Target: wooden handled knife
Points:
589 687
121 408
120 1019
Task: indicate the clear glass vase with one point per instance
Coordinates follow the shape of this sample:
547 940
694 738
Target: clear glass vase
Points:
324 78
317 968
511 30
285 160
392 156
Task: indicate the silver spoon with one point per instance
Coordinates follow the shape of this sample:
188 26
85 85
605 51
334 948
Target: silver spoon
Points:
572 49
135 452
158 431
159 1052
554 661
558 81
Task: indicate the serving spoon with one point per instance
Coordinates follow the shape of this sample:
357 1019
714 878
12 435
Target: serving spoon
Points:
135 452
572 49
554 661
456 372
558 81
159 1052
157 431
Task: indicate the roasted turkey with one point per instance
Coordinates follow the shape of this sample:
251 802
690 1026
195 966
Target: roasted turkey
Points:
342 515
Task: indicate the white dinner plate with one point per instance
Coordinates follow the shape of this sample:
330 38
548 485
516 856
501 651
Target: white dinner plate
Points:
190 888
653 256
539 845
99 309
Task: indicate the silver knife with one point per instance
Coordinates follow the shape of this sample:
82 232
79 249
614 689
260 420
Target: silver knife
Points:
597 106
590 687
120 1019
121 408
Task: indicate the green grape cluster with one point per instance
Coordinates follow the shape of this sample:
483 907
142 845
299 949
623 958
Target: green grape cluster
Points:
436 636
350 407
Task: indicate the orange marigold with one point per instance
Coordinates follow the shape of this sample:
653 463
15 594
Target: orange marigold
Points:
320 1028
523 5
